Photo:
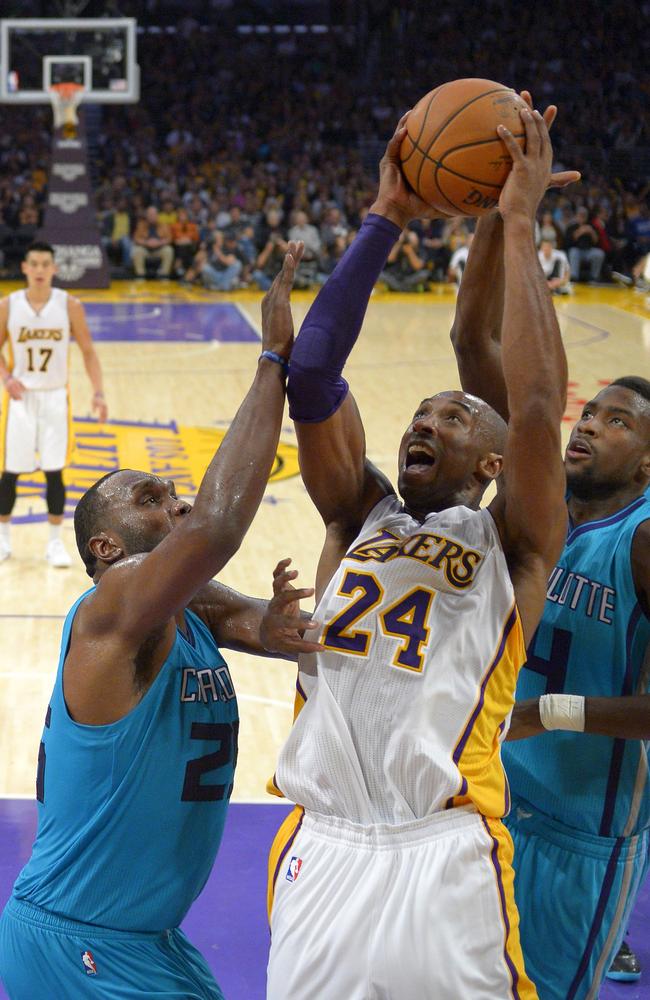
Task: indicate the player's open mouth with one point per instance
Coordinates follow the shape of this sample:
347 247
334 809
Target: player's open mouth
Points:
578 449
419 456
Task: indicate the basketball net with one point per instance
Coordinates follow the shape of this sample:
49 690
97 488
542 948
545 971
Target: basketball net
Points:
65 98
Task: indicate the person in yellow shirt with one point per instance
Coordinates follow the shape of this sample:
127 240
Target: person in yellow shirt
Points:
116 235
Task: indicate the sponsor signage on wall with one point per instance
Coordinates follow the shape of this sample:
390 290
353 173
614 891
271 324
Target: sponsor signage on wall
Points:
70 223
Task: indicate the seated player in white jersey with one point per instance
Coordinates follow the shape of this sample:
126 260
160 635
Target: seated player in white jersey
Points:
138 752
581 794
37 323
392 878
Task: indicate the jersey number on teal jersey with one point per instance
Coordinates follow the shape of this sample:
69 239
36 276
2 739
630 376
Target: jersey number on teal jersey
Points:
226 734
555 668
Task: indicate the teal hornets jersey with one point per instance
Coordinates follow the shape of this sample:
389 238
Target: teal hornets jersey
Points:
594 640
130 815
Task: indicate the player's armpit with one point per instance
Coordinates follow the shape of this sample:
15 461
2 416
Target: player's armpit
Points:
105 673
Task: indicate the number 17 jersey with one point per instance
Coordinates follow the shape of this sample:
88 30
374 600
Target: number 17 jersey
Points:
406 707
39 341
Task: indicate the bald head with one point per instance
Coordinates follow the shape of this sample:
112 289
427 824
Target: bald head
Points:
89 517
489 425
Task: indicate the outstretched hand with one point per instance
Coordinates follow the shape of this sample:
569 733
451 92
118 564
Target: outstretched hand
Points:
563 177
283 626
531 170
396 200
277 321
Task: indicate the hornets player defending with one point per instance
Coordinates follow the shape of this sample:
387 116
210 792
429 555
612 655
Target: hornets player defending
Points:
398 853
140 741
581 793
38 323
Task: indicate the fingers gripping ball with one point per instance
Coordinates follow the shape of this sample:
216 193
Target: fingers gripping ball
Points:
451 155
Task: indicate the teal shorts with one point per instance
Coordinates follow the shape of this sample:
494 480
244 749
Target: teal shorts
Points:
574 893
43 956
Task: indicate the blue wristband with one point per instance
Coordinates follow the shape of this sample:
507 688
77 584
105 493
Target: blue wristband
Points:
279 360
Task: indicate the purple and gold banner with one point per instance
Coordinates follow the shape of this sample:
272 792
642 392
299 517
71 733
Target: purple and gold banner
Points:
70 223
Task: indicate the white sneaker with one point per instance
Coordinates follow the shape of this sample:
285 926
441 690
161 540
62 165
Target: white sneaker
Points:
57 555
5 549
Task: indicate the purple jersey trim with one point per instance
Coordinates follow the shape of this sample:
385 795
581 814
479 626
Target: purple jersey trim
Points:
607 521
287 847
512 617
494 857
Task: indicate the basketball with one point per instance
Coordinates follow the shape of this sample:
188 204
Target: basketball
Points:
451 155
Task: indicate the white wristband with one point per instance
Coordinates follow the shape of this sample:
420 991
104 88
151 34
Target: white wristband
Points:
563 711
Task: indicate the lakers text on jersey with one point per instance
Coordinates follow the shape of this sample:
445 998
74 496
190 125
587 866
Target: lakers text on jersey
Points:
406 707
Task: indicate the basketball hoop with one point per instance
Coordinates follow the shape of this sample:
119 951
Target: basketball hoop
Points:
65 98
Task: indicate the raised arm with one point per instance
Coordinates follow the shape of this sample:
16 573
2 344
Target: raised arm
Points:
338 477
530 512
141 593
476 331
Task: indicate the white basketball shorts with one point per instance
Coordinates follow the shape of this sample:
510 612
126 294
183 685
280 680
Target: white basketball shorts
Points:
420 911
36 430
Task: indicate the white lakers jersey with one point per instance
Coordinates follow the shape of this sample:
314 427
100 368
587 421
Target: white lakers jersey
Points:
39 341
406 708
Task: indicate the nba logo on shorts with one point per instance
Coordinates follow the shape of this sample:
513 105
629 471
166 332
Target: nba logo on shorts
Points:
293 871
89 963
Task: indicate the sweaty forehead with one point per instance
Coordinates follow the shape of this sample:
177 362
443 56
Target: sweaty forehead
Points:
125 481
627 399
469 402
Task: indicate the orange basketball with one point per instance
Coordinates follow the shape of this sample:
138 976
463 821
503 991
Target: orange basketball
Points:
452 156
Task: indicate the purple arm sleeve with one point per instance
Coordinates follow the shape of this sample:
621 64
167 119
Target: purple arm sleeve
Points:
316 387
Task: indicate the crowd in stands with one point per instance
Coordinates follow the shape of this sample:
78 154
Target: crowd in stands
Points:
241 142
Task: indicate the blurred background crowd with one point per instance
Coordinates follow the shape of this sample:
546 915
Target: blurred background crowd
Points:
247 136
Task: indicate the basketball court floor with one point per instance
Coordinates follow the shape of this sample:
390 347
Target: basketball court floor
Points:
177 363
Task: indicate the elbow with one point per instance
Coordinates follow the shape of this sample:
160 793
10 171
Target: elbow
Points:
460 341
314 395
214 539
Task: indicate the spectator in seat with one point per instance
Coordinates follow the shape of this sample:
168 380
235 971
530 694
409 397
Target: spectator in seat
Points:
405 269
168 213
116 233
549 231
458 261
302 229
273 249
581 243
152 241
638 246
434 247
333 227
219 267
555 265
185 239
